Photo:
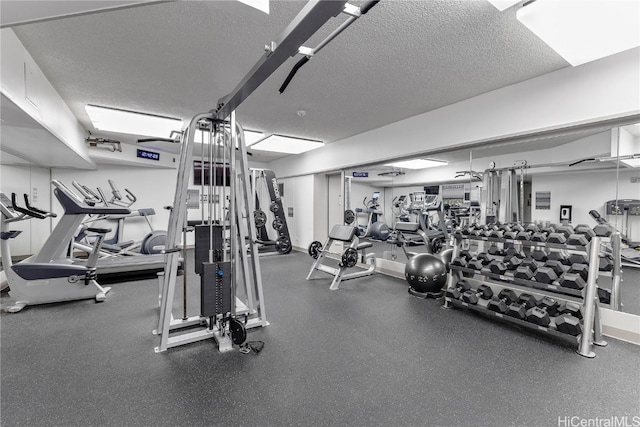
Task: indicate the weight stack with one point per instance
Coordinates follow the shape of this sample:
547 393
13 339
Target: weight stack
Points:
202 244
215 288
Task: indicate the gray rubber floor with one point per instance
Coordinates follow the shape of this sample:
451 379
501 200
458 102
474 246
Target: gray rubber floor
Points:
366 355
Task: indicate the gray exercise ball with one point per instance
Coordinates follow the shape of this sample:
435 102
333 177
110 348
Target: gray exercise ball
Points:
446 256
425 273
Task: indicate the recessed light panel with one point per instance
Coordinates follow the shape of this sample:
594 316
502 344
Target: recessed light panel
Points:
634 163
417 164
250 136
583 31
286 144
131 122
503 4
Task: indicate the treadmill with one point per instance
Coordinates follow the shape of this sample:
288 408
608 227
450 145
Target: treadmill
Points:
113 268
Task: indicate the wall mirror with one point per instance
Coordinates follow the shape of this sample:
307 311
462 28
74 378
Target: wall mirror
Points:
589 177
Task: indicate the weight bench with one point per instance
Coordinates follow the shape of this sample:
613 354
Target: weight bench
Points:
347 234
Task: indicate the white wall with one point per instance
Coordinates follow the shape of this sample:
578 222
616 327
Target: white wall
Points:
154 188
33 181
334 202
585 191
26 85
299 194
321 212
625 141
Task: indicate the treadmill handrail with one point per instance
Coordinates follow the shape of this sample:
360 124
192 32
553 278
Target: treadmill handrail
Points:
73 204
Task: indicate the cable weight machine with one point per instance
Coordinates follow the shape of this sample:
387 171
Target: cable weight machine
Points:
503 194
227 313
231 295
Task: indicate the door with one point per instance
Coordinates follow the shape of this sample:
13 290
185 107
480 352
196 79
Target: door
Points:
334 203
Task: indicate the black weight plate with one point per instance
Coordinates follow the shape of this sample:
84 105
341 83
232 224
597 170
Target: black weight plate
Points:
349 217
260 218
277 224
349 258
283 245
238 331
436 246
314 249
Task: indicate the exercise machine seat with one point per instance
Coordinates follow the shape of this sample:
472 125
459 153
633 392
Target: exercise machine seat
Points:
433 234
42 271
407 226
342 233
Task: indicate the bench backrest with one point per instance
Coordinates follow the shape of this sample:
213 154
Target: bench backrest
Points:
343 233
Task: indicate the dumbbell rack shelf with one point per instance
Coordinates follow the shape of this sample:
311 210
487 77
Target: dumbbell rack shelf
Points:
614 245
556 289
526 243
522 323
586 297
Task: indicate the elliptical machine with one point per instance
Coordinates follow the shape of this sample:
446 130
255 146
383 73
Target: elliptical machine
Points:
375 229
34 283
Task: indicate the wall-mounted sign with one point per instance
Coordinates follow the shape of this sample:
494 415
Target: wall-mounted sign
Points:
565 212
361 174
144 154
543 200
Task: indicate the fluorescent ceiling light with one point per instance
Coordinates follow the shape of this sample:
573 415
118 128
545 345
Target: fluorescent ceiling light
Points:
634 163
250 136
503 4
261 5
586 30
417 164
130 122
286 144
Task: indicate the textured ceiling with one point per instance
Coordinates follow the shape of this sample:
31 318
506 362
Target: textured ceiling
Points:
177 59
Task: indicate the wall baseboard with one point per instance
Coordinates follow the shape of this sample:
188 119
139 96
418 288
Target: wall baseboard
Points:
615 324
620 325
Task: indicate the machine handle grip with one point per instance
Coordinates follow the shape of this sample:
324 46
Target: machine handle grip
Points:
292 73
130 196
367 6
170 251
94 195
33 208
157 140
22 210
114 190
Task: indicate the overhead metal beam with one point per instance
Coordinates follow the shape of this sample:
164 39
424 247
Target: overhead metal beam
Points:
310 19
16 13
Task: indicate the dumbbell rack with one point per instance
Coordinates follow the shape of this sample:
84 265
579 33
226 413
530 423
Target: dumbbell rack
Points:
586 297
614 245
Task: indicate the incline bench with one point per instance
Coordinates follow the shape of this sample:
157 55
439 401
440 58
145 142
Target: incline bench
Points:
346 234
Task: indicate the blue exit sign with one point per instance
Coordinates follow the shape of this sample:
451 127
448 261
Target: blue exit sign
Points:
148 155
361 174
